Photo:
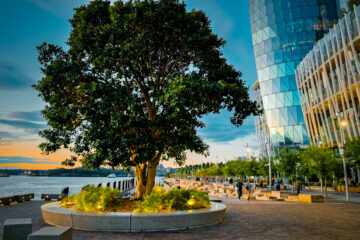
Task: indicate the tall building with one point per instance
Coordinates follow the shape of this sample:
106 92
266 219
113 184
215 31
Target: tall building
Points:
328 80
283 32
262 129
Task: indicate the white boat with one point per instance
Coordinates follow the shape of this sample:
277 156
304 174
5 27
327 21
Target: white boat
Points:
112 175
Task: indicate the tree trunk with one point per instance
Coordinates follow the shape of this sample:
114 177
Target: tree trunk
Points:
321 182
151 174
145 174
293 185
140 173
308 180
325 188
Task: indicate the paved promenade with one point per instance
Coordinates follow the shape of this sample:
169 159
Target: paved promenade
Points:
244 220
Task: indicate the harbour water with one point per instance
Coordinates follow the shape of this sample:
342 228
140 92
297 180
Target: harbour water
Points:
15 184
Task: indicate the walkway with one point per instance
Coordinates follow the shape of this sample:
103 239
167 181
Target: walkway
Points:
244 220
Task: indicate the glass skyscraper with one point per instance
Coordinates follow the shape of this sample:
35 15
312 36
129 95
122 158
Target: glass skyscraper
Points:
283 32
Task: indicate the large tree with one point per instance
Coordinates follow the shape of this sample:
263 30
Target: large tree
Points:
133 84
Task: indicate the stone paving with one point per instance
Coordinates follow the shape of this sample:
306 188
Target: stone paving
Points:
244 220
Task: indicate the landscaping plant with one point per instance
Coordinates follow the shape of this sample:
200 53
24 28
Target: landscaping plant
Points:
174 200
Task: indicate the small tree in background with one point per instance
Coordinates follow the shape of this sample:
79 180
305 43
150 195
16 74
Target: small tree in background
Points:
288 160
133 84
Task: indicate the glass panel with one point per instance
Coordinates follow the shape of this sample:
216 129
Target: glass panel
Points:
275 117
292 115
281 70
288 99
268 85
272 101
296 98
284 84
289 134
273 74
276 85
280 136
283 116
279 100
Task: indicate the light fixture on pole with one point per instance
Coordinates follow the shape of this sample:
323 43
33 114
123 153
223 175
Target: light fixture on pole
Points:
248 150
343 124
268 145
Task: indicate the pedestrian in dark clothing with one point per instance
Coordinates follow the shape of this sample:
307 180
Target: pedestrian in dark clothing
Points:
277 185
238 187
231 180
248 188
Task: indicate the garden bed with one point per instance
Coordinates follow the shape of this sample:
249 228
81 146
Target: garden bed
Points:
53 214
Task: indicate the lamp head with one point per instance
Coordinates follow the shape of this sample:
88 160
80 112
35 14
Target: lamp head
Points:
343 123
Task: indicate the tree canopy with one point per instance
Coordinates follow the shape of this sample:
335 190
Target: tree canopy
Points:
288 161
352 152
133 85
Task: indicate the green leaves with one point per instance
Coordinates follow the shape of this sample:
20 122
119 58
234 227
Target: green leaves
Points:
134 83
352 152
318 160
288 161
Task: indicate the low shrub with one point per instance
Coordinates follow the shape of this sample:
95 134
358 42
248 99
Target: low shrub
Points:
175 199
94 199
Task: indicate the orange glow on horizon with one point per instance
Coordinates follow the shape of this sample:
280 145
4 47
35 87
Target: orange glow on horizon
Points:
31 150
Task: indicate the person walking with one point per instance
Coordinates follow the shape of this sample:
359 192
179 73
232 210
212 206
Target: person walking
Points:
238 187
248 188
278 183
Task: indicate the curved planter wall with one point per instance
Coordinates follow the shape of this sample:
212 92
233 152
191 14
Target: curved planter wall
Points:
132 222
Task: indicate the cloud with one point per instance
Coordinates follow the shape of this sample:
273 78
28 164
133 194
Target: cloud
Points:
220 129
18 159
26 125
12 78
34 116
6 135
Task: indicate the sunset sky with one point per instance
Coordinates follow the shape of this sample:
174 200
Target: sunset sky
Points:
25 24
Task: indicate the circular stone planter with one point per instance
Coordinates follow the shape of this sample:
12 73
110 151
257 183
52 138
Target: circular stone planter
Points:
132 222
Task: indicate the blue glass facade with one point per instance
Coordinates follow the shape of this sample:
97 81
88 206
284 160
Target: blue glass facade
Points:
283 32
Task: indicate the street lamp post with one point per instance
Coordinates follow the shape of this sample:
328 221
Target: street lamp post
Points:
248 150
269 156
343 124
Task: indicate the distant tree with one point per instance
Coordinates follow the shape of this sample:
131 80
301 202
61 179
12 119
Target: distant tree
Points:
264 167
252 168
235 168
288 161
133 84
